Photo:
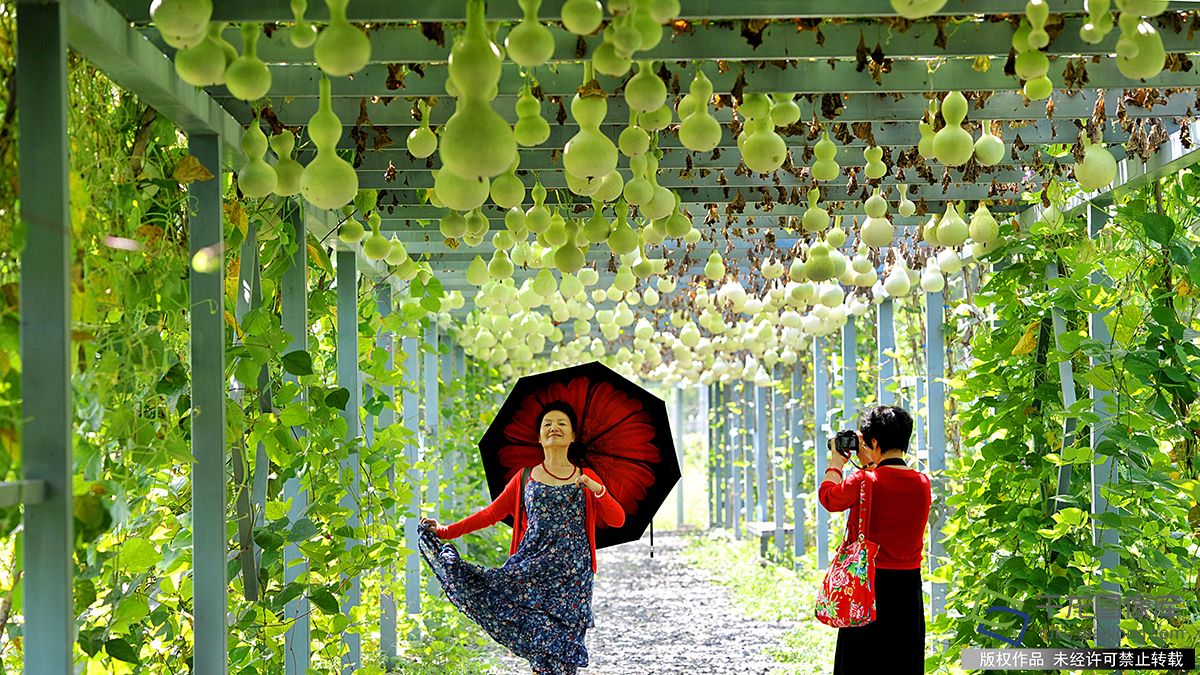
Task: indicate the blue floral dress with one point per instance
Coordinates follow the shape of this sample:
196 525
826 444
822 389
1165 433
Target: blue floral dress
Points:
538 604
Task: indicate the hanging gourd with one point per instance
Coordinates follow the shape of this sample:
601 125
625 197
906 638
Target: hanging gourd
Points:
582 17
341 49
1146 8
897 283
589 153
983 228
623 239
763 150
633 140
875 168
248 78
836 236
376 246
537 218
647 27
699 131
287 170
784 111
825 167
507 191
917 9
818 266
597 228
678 225
1099 22
181 23
877 230
657 119
530 129
952 144
477 271
256 178
989 149
645 91
948 261
328 182
203 64
1098 168
610 187
815 218
929 233
607 59
906 207
351 231
422 142
1031 66
500 267
932 280
662 200
452 225
952 229
1037 12
1140 53
714 269
458 193
663 11
476 142
302 34
925 127
529 44
397 254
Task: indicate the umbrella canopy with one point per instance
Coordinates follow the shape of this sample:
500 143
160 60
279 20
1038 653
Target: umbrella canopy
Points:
624 427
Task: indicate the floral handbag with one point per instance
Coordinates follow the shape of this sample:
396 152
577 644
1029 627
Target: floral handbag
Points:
847 595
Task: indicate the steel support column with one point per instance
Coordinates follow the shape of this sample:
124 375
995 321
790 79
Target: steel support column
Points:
849 378
886 341
935 366
387 417
760 453
347 376
45 300
679 453
778 447
820 452
412 562
796 405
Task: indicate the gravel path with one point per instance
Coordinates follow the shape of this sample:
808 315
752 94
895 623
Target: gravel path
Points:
659 616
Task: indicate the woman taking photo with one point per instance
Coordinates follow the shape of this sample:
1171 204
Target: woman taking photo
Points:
538 604
900 500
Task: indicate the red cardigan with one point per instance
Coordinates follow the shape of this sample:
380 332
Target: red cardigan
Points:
900 501
608 507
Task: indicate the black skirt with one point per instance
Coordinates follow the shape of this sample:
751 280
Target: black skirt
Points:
895 640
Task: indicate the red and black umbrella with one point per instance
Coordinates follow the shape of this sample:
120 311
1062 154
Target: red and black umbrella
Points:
624 427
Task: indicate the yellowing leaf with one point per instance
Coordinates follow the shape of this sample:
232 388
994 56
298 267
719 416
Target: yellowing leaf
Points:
982 64
190 169
1028 341
237 216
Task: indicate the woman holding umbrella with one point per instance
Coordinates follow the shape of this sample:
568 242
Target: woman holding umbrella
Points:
538 604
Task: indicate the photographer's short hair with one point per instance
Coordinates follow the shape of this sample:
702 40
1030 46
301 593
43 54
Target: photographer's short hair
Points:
890 425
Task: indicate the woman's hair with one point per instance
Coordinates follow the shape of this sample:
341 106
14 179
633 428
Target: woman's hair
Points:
889 425
577 450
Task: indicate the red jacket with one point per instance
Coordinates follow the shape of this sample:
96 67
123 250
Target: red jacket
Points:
506 504
900 501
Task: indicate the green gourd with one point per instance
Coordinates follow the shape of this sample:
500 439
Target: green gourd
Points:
678 225
397 254
825 167
623 239
351 231
328 182
181 23
763 150
610 187
983 228
952 230
506 189
836 236
477 272
203 64
514 220
989 149
925 127
1146 8
256 178
897 283
608 61
459 193
422 142
714 269
341 49
530 129
624 35
663 200
815 217
818 266
699 131
376 246
1099 22
302 34
556 234
476 142
657 119
500 267
906 207
1038 88
287 170
785 111
537 218
952 144
1098 168
1031 65
589 153
663 10
638 190
875 168
645 91
929 231
649 29
633 140
754 106
477 224
597 229
917 9
582 17
877 230
529 43
1037 12
452 225
1140 53
248 78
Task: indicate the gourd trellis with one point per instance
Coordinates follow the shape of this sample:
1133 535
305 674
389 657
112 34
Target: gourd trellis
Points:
118 40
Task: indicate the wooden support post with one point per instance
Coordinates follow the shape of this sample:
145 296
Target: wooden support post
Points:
1106 611
297 649
886 342
820 451
347 376
45 300
935 367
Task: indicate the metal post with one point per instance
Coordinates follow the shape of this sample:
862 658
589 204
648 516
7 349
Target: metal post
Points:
347 376
760 453
707 407
820 408
295 322
430 438
208 421
747 425
387 417
849 378
246 298
935 366
795 403
1104 469
45 297
778 447
679 453
412 562
735 483
1066 377
721 438
887 345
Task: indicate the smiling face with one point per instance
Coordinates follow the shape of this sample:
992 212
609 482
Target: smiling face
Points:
556 429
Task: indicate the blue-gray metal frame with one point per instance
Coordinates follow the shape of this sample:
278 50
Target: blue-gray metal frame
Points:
679 441
45 297
779 446
412 562
747 424
733 478
1066 380
429 439
820 414
761 468
297 647
387 417
935 373
886 341
1104 468
247 297
210 587
347 376
796 408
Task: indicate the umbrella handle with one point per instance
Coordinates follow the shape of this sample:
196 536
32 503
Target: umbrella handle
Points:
651 538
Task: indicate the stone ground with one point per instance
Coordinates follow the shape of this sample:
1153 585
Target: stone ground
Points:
661 616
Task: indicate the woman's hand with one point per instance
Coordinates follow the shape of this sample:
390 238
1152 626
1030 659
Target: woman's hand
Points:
588 482
433 523
836 459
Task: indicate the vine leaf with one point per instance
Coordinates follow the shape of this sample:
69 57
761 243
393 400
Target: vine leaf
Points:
190 169
1028 341
1159 228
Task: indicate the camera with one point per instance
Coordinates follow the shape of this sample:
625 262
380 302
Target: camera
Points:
845 442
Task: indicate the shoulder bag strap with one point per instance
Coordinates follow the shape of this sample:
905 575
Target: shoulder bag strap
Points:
864 513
